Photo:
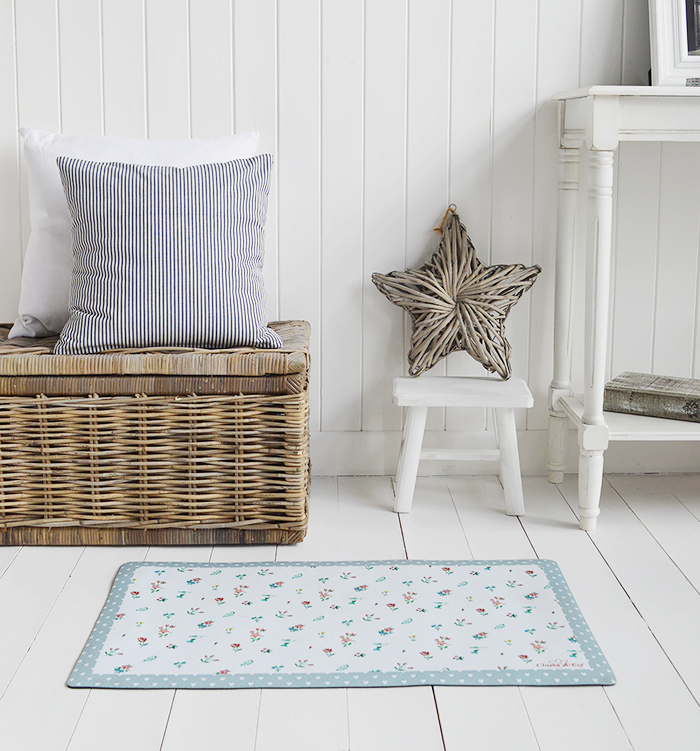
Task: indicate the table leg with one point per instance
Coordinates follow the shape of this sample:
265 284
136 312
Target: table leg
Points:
409 458
593 432
563 289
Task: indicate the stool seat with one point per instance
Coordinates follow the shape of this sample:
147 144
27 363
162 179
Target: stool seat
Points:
417 394
451 391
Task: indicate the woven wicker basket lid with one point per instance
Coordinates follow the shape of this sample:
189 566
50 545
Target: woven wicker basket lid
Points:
34 357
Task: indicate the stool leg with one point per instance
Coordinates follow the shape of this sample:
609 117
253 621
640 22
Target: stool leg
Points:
409 457
510 462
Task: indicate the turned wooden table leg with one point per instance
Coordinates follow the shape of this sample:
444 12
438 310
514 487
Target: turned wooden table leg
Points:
563 289
593 432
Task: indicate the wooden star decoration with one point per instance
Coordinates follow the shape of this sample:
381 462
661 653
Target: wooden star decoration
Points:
458 303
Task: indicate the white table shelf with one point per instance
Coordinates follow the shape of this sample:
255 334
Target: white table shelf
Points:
599 118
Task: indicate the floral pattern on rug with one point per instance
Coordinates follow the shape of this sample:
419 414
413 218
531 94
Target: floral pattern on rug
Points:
340 624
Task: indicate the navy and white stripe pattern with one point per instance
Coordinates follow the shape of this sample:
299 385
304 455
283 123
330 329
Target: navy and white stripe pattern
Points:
166 256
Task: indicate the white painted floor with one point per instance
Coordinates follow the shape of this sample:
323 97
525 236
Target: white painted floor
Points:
636 579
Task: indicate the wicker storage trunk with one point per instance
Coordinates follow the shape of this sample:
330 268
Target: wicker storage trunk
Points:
144 447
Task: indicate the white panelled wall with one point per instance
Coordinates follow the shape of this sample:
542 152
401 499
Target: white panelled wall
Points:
380 113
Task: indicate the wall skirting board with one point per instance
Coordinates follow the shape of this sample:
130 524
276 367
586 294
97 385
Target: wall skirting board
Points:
376 453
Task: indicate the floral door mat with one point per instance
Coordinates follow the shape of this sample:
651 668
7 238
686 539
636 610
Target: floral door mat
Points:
360 623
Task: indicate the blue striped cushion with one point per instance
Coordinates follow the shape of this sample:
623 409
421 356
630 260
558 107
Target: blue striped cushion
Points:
166 256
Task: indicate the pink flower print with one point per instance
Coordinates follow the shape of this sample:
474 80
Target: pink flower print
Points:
205 624
347 575
481 635
409 597
442 642
209 658
532 596
359 654
427 655
256 634
264 571
165 630
429 580
512 584
276 585
122 669
391 606
303 664
531 573
447 570
525 658
119 616
238 591
325 594
113 651
236 647
497 602
171 646
297 627
161 599
385 631
370 617
402 666
306 603
481 611
346 639
328 652
194 611
538 646
142 641
444 592
223 672
219 600
135 594
155 586
194 581
361 588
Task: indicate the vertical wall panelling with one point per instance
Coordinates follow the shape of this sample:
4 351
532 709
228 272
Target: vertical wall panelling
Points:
678 261
471 94
211 68
37 85
255 86
298 173
557 70
601 42
342 32
427 152
384 206
513 157
168 69
379 114
635 257
124 73
80 50
635 44
10 224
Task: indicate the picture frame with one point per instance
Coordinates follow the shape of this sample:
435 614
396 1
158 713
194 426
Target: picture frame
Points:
674 27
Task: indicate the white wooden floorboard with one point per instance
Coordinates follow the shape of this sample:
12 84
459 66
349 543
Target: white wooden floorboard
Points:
432 529
653 704
667 601
687 489
38 712
654 499
313 719
31 583
476 719
221 720
7 555
394 719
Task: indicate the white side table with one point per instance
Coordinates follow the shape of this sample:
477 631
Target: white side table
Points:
600 117
417 394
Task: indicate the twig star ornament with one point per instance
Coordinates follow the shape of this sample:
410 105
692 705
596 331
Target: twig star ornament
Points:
458 303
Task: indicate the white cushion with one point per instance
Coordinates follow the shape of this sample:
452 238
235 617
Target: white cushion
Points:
43 303
166 256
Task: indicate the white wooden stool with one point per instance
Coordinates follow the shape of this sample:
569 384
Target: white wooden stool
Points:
417 394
